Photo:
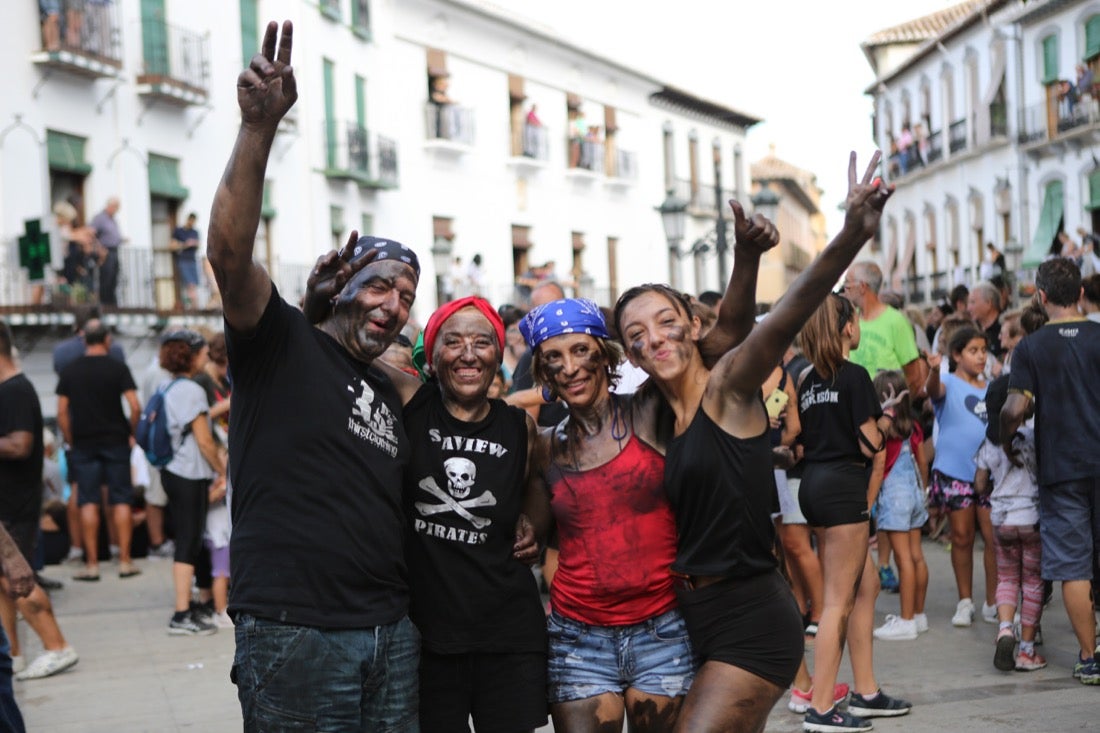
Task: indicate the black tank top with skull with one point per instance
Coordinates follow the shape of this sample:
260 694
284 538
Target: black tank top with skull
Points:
462 496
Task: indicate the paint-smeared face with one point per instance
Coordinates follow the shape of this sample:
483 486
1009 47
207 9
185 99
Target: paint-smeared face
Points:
373 308
575 366
659 336
466 355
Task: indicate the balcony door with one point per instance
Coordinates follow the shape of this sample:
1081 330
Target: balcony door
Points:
154 37
163 213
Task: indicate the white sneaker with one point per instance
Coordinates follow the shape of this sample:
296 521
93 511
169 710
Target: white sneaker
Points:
18 664
964 613
75 556
989 613
49 663
897 629
222 620
922 622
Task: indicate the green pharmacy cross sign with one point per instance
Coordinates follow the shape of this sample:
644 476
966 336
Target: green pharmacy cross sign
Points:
34 249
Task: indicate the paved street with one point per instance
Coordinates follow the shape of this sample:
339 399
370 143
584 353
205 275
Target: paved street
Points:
133 677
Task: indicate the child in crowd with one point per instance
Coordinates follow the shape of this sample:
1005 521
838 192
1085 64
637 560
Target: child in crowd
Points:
216 539
959 401
900 511
1015 517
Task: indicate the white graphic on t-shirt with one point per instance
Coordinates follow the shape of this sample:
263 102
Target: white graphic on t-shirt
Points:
818 395
371 422
461 473
450 504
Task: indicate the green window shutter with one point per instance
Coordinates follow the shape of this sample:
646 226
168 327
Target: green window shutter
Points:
1092 37
336 220
330 9
1050 59
366 225
154 37
330 114
360 18
1049 221
360 102
267 208
66 153
250 31
1094 191
164 178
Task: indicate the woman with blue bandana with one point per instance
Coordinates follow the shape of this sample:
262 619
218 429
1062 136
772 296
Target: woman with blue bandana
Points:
744 624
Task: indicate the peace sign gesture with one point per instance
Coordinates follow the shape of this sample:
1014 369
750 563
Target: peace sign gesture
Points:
866 197
267 89
328 277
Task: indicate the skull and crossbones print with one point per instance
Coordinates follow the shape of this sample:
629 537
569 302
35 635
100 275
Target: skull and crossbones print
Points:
461 475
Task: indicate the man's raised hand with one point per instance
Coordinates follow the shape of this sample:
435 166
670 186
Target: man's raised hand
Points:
328 277
866 197
267 89
755 233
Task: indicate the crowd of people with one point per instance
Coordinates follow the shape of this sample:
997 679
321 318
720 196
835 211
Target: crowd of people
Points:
705 484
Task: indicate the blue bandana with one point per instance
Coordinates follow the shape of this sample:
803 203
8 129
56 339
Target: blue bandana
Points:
389 250
572 315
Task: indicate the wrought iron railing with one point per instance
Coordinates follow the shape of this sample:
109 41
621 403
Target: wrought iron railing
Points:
353 152
957 135
449 122
175 55
536 142
624 165
85 27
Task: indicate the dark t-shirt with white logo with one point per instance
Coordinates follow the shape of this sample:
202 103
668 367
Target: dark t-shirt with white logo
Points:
1059 365
831 411
316 454
463 494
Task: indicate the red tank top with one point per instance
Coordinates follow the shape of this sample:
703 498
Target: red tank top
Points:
616 538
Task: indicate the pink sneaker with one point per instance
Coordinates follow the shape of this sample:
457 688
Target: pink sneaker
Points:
1029 662
800 701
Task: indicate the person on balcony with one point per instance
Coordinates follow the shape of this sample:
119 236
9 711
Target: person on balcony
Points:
185 248
109 236
445 126
905 148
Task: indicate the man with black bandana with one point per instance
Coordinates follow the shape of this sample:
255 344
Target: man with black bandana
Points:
317 452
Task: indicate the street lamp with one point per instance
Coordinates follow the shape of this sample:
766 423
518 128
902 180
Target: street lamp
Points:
766 203
441 260
673 213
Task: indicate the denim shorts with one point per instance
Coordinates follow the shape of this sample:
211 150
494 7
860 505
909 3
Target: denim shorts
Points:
900 505
1069 520
292 677
91 468
653 657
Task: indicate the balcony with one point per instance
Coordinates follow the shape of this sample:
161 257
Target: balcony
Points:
449 127
177 64
586 155
998 121
83 39
623 165
957 136
935 146
534 143
352 154
914 289
941 285
1077 124
1035 124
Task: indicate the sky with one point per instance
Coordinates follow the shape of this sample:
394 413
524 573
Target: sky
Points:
795 63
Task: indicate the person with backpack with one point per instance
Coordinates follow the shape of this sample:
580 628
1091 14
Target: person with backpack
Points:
194 473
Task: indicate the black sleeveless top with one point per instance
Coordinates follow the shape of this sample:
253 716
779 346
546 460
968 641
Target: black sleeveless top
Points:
721 489
463 493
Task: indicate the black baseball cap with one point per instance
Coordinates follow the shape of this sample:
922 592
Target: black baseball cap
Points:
187 336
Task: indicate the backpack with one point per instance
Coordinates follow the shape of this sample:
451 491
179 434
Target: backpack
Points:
152 433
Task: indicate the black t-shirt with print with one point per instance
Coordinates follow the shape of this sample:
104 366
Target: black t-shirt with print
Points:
463 494
316 454
831 411
1059 365
21 478
94 386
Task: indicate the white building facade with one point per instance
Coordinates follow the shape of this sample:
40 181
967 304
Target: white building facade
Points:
533 150
982 144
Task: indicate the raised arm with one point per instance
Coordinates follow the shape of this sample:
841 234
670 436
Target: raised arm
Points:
741 372
265 91
736 314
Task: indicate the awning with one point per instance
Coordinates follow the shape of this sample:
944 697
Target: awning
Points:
1092 37
164 178
66 153
901 272
891 250
1094 191
1049 221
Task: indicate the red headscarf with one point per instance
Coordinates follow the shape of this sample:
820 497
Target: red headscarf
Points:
447 310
